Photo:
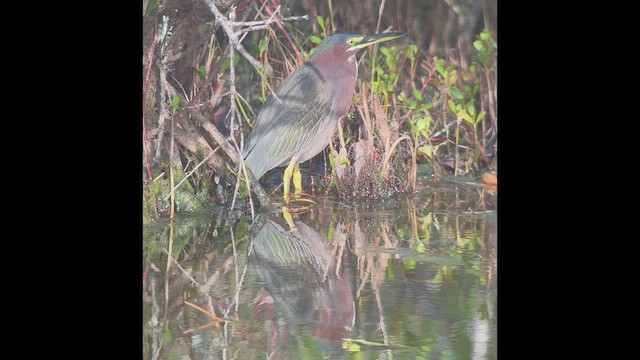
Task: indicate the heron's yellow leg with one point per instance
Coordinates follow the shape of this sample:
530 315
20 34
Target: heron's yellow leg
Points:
287 216
286 177
297 179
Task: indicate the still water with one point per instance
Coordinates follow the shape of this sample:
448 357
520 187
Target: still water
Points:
405 279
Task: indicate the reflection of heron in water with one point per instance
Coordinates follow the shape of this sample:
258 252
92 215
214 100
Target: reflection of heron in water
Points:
293 266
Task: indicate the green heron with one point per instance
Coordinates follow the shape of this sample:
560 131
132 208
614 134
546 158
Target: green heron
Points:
299 123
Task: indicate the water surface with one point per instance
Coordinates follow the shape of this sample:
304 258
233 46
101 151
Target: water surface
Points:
405 279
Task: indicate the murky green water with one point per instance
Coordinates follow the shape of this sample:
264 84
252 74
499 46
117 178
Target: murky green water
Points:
405 279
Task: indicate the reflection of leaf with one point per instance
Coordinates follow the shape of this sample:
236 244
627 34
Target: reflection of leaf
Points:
409 263
490 179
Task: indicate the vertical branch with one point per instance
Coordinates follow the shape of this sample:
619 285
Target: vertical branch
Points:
144 96
166 275
155 349
330 3
172 175
380 15
163 80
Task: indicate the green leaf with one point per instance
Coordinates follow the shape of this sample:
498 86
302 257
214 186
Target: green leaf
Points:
427 106
401 96
263 45
455 93
458 108
484 35
391 63
480 116
390 86
384 51
175 101
408 52
376 85
412 104
424 122
167 335
201 71
321 22
478 45
417 95
471 109
152 5
425 150
467 90
440 66
314 39
452 106
466 116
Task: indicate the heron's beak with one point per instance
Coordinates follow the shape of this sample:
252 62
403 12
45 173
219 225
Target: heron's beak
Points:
368 40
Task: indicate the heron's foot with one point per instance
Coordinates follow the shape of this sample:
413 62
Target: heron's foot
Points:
299 208
301 197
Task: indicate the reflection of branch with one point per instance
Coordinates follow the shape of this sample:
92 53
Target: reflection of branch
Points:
155 350
383 328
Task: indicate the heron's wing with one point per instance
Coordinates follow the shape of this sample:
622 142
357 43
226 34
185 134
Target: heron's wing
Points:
285 126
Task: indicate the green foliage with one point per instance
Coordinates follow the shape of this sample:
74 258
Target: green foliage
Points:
201 72
486 47
314 39
175 102
152 4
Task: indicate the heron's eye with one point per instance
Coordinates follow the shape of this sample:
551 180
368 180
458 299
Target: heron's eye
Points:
351 41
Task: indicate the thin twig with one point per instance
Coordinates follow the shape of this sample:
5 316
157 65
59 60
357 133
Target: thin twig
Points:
268 21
